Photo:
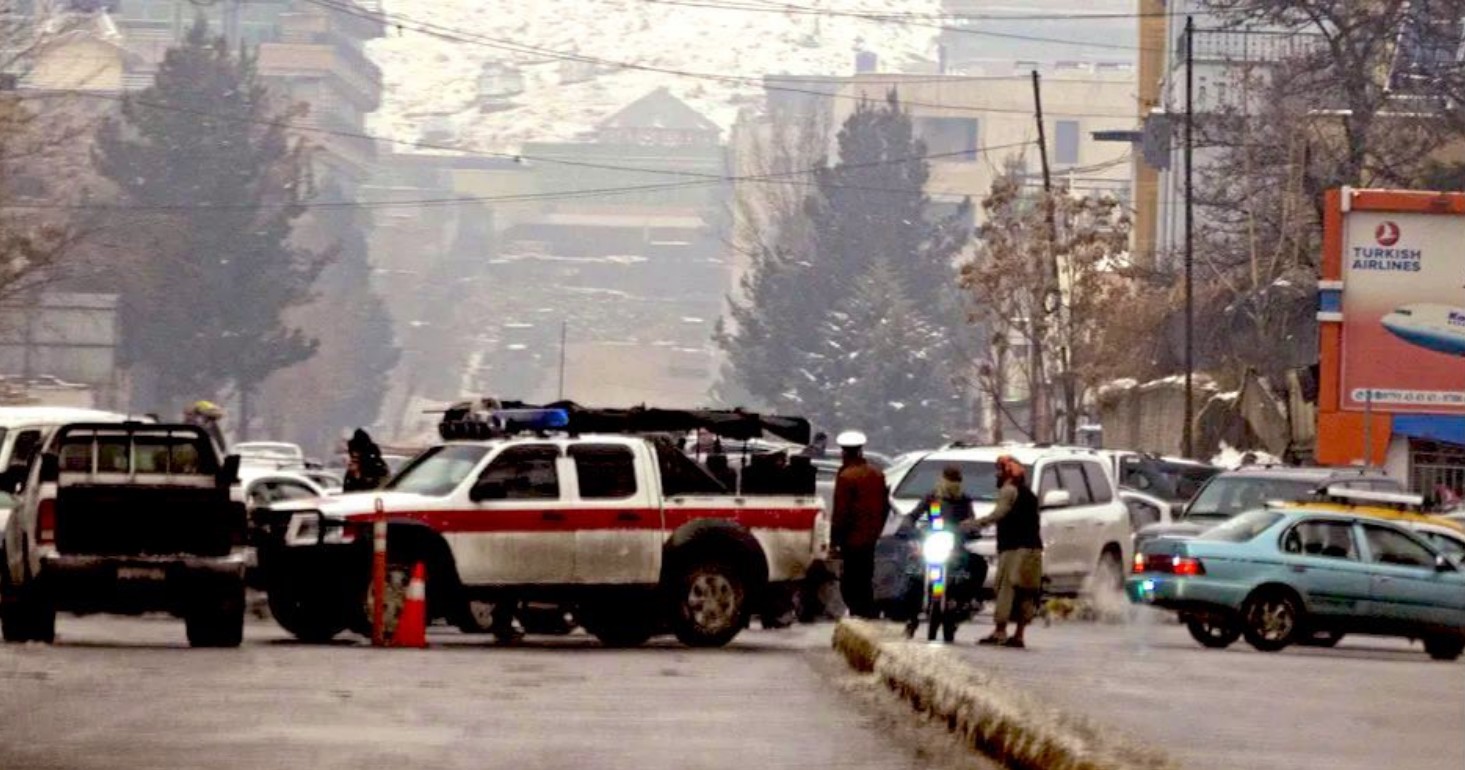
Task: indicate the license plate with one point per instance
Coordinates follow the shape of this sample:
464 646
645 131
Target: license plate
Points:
140 573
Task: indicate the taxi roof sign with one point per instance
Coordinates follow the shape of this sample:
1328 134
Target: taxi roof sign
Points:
1347 496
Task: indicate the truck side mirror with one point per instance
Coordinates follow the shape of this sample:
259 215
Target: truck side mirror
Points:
488 490
229 472
50 467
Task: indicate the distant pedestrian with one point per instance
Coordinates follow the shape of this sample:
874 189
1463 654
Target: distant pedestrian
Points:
365 468
1019 552
861 503
206 415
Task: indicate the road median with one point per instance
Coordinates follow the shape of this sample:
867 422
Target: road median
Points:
1006 725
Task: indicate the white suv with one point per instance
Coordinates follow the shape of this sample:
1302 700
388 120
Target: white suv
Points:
1085 525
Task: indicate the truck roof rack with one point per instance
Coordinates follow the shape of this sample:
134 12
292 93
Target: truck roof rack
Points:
491 418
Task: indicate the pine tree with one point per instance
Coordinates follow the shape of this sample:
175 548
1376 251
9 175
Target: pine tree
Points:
884 367
795 331
211 171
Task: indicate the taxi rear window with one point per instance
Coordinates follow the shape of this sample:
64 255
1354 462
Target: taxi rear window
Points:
1242 528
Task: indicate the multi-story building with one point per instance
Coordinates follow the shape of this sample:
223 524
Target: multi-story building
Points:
307 54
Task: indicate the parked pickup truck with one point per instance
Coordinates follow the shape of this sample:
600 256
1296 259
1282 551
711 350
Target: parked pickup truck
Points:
127 518
625 533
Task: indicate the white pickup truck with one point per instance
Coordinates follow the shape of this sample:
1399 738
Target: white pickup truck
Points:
626 533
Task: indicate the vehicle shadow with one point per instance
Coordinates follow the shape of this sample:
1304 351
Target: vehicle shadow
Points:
449 642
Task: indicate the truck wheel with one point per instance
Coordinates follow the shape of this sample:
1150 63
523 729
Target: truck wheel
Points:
313 620
710 604
218 620
619 632
1444 647
27 615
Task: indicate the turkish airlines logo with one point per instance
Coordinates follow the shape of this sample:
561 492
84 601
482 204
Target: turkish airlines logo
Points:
1387 233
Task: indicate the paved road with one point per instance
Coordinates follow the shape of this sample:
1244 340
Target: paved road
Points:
1368 704
125 693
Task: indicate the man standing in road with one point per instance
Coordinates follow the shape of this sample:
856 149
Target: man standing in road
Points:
1019 552
861 502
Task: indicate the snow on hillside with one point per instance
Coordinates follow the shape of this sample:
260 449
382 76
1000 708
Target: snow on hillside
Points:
432 86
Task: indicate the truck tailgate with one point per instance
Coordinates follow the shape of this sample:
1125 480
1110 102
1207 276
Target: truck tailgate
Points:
145 520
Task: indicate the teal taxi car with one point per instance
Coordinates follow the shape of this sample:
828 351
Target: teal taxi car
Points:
1281 574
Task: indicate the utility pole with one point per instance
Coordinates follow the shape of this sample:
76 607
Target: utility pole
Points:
1040 406
564 333
1188 430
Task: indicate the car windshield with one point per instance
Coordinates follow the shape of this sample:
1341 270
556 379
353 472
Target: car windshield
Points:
1242 528
439 470
978 479
1187 479
1227 496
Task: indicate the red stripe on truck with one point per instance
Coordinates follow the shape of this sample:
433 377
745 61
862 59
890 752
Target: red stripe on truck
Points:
582 519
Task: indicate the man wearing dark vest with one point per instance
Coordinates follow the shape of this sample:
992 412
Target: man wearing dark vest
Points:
1019 552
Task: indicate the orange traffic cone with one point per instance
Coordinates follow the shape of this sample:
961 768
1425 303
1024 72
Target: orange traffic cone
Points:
412 623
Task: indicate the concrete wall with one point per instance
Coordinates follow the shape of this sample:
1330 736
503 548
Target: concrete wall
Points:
1149 417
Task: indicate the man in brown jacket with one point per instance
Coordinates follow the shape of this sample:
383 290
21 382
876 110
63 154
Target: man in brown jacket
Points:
861 502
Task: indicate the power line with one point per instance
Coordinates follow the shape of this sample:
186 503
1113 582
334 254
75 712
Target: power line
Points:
451 34
909 21
774 7
783 177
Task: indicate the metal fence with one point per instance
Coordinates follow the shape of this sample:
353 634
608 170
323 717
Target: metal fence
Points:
1432 464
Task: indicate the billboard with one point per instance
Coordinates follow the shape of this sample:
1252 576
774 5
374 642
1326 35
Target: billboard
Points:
1403 308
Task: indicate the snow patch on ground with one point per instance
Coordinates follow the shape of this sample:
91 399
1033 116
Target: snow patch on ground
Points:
432 82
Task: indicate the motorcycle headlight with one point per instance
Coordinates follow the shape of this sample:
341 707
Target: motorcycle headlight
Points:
938 546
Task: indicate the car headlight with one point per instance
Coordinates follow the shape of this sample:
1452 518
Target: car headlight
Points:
938 546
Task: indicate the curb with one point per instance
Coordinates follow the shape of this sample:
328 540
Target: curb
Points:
993 718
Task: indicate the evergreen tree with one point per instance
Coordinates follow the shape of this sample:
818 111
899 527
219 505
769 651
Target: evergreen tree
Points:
884 367
203 312
795 331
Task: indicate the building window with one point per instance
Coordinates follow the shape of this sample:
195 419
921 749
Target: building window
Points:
950 139
1065 143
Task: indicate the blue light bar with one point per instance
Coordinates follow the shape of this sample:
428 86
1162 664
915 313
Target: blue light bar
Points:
531 419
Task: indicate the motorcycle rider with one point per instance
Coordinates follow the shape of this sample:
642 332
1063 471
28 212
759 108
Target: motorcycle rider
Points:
956 510
1019 552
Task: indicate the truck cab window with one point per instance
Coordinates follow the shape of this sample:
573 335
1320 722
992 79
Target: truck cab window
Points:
681 476
605 471
526 473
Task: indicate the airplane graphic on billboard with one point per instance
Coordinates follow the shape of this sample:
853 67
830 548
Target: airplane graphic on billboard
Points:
1440 328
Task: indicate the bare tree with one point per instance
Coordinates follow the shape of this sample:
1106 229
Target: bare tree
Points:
1333 92
1089 304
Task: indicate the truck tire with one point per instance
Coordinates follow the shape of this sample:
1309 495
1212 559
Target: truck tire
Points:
314 621
612 631
1444 648
709 603
217 620
27 615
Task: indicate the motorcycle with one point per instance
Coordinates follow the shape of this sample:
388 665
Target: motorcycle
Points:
947 564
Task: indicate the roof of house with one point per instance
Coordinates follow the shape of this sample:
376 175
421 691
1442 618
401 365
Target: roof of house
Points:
658 109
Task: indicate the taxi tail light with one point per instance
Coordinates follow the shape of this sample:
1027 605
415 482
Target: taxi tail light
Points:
1184 565
1172 565
46 522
